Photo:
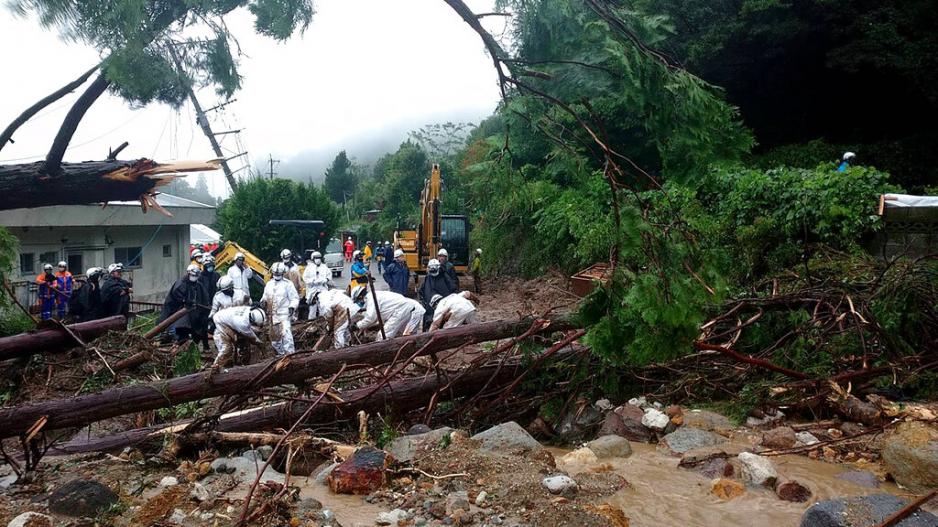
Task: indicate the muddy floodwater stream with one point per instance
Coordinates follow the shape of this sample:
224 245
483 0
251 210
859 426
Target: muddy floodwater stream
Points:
662 494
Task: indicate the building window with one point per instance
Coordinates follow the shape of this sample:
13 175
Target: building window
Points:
129 256
76 264
27 263
167 251
51 257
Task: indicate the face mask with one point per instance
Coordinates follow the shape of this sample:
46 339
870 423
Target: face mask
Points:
278 278
434 272
229 292
210 267
317 261
240 264
193 278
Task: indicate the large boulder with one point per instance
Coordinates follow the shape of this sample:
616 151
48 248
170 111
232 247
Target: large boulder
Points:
578 423
610 446
688 438
507 438
404 448
31 519
863 511
81 499
362 473
626 421
757 470
707 420
911 456
780 438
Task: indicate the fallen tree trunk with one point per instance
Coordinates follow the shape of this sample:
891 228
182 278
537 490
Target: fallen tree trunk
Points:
293 369
57 338
26 185
401 395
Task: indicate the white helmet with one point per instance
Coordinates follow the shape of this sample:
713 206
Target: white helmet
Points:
115 267
358 293
316 254
63 265
239 256
193 270
286 254
848 156
356 255
398 253
386 242
93 272
442 252
433 267
225 283
349 238
479 251
257 316
368 242
435 300
47 267
278 270
195 255
207 259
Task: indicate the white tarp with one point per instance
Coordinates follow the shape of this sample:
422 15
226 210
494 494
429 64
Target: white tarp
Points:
906 200
202 234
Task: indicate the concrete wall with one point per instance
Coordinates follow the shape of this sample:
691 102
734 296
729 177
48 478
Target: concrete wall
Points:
97 245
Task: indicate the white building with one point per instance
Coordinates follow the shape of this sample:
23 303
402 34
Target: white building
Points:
154 248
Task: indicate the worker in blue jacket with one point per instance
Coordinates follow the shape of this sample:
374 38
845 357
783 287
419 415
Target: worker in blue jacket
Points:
396 273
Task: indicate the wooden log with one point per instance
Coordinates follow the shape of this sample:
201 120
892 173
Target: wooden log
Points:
85 409
56 338
166 323
26 185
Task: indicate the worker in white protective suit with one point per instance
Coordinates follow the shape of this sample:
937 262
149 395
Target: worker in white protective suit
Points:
338 310
402 316
453 310
241 275
318 278
281 300
232 322
227 296
292 270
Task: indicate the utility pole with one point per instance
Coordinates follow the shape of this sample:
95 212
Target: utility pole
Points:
203 123
272 161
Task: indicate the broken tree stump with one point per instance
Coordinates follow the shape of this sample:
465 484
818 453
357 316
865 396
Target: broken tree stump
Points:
56 338
292 369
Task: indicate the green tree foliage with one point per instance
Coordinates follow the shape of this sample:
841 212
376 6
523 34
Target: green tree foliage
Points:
442 140
199 192
133 37
340 181
244 216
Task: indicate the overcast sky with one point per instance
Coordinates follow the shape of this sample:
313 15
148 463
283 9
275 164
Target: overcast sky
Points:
364 74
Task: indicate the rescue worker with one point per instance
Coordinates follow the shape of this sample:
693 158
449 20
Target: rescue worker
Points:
402 316
209 277
188 293
338 310
359 271
317 277
368 253
379 257
455 310
293 270
846 161
227 296
476 270
232 322
85 302
396 274
349 249
281 299
115 292
435 283
241 274
448 268
388 254
195 257
46 291
63 284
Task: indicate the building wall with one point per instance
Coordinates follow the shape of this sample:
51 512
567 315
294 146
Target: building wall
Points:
100 246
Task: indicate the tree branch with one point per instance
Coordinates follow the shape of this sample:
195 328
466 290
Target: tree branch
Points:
7 135
53 162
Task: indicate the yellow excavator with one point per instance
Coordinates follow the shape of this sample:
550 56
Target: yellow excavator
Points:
436 231
225 256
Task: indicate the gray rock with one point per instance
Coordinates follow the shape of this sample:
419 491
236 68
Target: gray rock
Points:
7 480
206 516
655 419
559 484
626 421
457 501
862 511
861 478
392 517
81 498
610 446
770 418
178 516
579 423
245 469
265 451
640 402
169 481
404 448
688 438
324 473
480 498
507 438
200 493
779 438
707 420
758 470
806 438
31 519
603 405
418 429
911 456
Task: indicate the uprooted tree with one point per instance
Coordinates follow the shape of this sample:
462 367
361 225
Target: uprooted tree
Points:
155 53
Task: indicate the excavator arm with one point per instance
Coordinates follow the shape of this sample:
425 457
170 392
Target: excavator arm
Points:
225 256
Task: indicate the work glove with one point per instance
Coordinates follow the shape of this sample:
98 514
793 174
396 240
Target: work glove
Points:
292 312
211 326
